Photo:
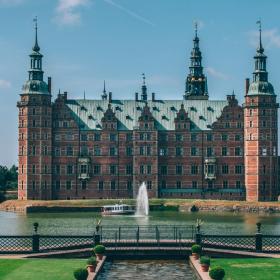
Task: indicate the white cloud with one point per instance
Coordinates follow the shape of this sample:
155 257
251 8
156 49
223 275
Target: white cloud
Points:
129 12
67 11
5 84
214 73
270 38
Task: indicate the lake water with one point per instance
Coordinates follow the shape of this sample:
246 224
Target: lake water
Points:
147 269
84 223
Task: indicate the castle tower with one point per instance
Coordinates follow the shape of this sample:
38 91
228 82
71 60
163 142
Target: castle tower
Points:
196 82
35 132
260 133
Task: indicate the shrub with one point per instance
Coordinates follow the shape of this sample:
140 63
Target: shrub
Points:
205 260
196 249
81 274
217 273
92 261
99 249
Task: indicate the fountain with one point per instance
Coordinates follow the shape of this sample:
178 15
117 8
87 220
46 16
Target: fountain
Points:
142 201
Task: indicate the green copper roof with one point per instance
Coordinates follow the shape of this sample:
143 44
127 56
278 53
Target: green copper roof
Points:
261 88
203 113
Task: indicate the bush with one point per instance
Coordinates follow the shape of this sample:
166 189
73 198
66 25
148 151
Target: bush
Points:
99 249
92 261
81 274
196 249
217 273
205 260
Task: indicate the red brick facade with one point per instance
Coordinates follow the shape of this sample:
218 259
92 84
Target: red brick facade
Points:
193 148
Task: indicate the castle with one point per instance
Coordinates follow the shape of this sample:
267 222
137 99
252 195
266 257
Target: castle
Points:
188 148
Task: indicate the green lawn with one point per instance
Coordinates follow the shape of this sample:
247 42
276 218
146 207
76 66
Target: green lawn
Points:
43 269
249 269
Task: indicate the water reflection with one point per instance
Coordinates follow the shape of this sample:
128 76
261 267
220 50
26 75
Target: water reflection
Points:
83 223
147 269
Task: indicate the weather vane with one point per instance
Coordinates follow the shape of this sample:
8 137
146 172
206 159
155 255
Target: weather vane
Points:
195 27
259 22
36 21
144 78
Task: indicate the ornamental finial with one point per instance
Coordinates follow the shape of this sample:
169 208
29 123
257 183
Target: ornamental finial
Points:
195 28
144 79
104 87
36 47
260 48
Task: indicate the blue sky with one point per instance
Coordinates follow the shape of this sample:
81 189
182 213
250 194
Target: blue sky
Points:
87 41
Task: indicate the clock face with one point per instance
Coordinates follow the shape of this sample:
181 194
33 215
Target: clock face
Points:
34 87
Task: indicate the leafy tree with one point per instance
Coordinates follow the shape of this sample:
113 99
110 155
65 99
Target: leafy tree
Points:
8 178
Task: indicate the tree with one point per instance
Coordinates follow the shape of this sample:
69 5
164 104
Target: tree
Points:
8 178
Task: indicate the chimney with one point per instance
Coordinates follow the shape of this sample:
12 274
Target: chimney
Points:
110 97
247 84
153 96
50 85
136 96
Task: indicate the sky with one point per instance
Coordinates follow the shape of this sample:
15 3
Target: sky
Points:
87 41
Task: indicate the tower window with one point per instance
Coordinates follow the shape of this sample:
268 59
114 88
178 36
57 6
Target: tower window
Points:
264 151
238 169
238 151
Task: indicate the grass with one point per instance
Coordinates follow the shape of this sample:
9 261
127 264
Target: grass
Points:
43 269
249 269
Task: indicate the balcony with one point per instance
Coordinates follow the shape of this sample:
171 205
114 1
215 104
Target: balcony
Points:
84 168
210 168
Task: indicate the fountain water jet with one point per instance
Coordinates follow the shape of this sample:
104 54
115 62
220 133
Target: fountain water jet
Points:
142 201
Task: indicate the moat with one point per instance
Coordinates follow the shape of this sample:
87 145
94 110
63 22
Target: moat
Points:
84 223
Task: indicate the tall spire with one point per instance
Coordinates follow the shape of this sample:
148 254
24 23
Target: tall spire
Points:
104 94
35 72
196 83
260 48
36 47
260 73
35 83
260 84
144 95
